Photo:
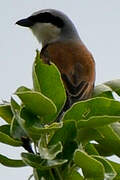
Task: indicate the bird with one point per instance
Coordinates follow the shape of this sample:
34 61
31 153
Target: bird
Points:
62 45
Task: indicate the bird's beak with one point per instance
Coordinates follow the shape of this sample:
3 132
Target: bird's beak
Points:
25 22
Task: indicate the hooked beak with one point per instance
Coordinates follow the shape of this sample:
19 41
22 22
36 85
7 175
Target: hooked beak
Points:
25 22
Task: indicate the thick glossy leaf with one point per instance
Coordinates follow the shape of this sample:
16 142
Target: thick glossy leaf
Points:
14 105
35 132
11 162
69 149
49 152
16 130
30 118
42 175
116 128
65 134
116 167
36 162
46 78
35 126
97 121
90 149
22 89
107 88
110 173
114 85
98 106
32 159
111 140
36 83
74 175
31 124
33 121
6 113
90 166
103 151
5 129
25 124
6 138
102 90
37 103
88 134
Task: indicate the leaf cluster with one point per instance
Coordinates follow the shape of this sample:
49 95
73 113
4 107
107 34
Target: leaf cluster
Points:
77 147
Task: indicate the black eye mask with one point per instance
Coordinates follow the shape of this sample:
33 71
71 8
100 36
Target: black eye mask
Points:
47 18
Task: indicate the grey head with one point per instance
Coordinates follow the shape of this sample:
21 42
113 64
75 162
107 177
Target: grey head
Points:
50 25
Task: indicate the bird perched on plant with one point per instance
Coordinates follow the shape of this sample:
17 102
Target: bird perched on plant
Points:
62 45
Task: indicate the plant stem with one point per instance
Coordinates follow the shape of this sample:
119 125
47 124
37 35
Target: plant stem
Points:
58 173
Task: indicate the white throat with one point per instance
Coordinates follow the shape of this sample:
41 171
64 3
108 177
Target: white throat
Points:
46 32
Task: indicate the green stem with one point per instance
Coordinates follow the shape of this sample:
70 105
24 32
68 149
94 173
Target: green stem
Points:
58 173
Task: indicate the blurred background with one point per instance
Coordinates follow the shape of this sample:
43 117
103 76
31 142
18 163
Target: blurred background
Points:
98 24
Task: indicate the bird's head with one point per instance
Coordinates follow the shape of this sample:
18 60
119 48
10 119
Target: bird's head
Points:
50 25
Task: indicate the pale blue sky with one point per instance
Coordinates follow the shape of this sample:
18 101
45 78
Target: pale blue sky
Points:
98 23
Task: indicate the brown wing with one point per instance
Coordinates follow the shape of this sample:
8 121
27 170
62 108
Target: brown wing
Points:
76 66
78 85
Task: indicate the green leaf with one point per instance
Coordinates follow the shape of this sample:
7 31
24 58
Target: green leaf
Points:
97 121
31 125
116 167
14 105
5 136
42 175
37 103
16 130
5 129
116 128
109 170
98 106
49 152
8 140
36 162
90 149
69 149
114 85
35 132
6 113
74 175
90 166
88 134
11 162
27 123
35 126
22 89
65 134
36 84
102 90
29 118
111 140
47 80
107 88
103 151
